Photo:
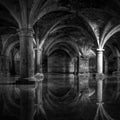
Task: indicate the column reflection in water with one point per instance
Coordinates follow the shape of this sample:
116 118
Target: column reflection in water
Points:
19 102
31 100
27 95
9 101
76 104
101 113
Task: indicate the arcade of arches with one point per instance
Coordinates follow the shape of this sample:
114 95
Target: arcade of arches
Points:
65 45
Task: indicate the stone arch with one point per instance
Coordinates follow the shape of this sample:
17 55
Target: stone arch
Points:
9 45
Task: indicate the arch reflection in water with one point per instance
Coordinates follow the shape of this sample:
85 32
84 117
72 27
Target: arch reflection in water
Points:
24 101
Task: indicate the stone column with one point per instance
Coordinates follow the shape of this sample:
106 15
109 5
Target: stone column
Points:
26 72
99 72
26 52
38 59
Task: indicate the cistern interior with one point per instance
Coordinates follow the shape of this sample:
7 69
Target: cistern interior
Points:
59 60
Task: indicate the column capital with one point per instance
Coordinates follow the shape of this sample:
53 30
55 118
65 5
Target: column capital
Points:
26 32
39 77
100 50
38 49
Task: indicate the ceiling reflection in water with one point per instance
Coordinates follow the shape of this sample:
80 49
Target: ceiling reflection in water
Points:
60 97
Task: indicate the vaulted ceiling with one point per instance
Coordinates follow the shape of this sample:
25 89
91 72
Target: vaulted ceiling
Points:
76 21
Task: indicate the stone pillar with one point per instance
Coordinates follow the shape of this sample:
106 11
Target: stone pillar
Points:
26 73
99 72
38 60
26 53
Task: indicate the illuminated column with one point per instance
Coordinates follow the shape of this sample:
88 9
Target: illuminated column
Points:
38 60
26 53
100 72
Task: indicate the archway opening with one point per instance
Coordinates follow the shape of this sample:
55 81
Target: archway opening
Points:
60 69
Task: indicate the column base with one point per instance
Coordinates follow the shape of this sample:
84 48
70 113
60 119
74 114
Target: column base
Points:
31 80
88 91
100 102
